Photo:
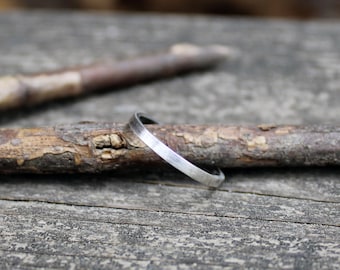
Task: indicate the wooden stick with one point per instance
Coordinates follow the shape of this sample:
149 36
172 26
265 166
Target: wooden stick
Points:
97 147
28 90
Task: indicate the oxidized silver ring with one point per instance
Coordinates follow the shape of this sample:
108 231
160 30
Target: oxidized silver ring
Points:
136 124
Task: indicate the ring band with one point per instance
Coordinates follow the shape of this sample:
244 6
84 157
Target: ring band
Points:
136 124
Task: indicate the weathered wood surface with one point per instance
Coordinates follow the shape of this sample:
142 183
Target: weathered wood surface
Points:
283 72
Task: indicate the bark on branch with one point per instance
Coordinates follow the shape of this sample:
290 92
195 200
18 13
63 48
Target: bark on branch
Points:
27 90
96 147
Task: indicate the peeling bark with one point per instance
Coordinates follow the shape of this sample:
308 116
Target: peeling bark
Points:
97 147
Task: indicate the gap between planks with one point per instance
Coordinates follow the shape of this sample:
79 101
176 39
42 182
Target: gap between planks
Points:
221 189
120 207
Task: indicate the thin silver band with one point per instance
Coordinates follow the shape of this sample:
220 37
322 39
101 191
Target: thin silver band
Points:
136 124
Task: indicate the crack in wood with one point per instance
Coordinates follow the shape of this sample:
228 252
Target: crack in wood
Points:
197 186
172 211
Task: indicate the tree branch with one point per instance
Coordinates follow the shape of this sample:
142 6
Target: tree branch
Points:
96 147
27 90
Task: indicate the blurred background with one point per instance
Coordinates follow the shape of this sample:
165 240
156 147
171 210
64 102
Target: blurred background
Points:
297 9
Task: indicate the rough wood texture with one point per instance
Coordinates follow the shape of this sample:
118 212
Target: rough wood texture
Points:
286 72
98 147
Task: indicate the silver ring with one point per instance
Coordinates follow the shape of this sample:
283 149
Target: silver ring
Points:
136 124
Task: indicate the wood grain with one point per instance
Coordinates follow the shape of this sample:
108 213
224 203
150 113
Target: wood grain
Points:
131 238
260 218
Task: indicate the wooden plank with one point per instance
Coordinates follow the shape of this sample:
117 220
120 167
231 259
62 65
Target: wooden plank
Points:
131 195
319 184
288 78
118 236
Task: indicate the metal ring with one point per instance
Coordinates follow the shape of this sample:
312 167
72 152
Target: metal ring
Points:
136 124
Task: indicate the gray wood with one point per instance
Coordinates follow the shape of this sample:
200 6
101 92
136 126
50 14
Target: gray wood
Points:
151 238
281 72
167 198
